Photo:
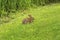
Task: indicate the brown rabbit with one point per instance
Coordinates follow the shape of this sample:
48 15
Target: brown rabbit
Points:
28 20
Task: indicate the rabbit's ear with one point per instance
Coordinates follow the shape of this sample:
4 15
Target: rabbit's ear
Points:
29 15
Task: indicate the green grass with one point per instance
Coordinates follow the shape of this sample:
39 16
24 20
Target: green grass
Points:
46 25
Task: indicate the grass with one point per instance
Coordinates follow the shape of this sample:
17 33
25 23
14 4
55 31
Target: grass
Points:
46 25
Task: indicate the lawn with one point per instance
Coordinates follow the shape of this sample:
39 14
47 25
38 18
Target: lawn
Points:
46 25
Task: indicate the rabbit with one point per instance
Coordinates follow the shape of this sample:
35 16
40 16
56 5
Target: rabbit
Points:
29 19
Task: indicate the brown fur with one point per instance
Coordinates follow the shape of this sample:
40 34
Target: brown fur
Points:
28 20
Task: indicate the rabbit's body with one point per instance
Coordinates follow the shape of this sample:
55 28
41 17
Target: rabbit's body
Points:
25 21
28 20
